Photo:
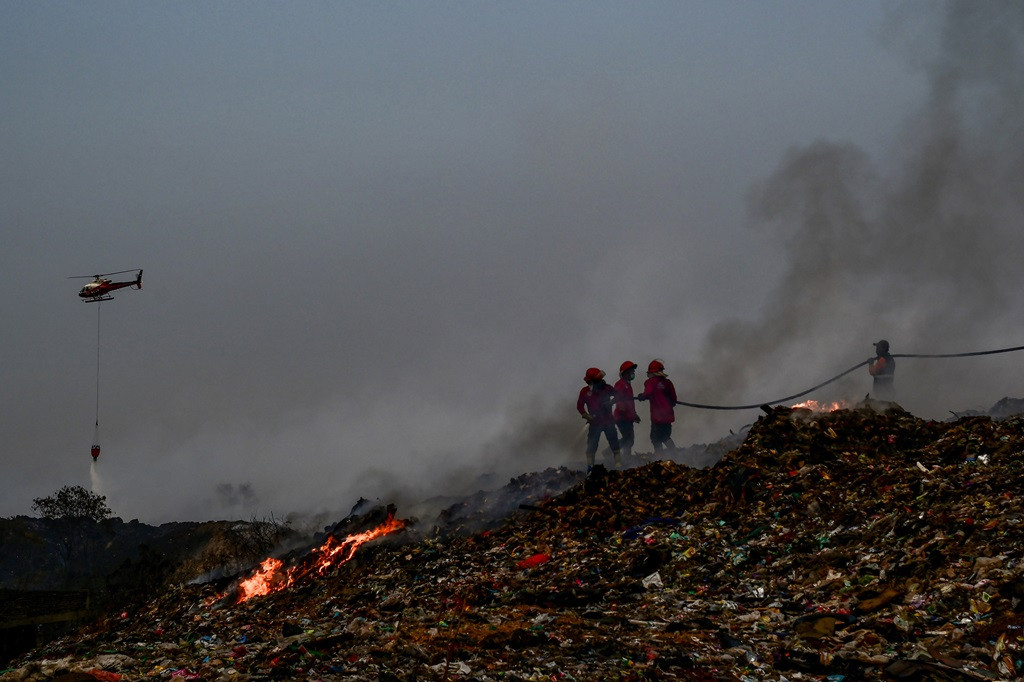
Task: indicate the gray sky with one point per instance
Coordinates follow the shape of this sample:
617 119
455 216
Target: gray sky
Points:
383 241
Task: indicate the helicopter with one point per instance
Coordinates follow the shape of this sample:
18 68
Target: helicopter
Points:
100 287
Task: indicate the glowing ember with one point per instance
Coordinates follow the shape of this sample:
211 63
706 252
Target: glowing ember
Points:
272 577
815 406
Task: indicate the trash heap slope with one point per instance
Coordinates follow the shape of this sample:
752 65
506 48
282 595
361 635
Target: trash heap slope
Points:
851 545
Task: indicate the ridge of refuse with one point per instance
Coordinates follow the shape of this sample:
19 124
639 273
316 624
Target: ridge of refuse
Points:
860 544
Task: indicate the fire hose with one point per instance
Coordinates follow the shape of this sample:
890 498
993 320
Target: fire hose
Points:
841 375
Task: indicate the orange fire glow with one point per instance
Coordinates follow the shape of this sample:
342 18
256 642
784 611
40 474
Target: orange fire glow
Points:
815 406
264 581
272 576
336 552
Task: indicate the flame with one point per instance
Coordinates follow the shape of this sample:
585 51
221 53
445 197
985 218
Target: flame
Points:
264 581
815 406
332 548
272 576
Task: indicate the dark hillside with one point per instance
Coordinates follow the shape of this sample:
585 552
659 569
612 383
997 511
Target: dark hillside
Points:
56 554
56 574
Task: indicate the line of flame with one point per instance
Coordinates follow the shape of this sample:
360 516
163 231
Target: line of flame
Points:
270 578
347 547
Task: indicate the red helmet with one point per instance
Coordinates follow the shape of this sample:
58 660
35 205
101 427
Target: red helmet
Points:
593 374
626 366
655 366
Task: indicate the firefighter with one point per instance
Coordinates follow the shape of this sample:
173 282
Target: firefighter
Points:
883 368
659 390
595 406
624 411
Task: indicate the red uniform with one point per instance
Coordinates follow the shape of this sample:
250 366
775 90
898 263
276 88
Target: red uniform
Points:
625 407
595 404
662 395
597 400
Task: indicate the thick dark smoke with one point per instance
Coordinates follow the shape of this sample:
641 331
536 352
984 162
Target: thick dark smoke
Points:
919 247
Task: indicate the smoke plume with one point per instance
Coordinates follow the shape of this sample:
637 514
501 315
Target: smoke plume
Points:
918 247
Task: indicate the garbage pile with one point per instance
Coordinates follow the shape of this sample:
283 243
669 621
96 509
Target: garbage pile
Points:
860 544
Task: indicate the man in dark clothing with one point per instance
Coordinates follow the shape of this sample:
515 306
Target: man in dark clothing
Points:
660 391
595 405
624 411
883 368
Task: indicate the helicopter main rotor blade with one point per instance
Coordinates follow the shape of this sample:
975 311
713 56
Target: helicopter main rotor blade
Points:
104 274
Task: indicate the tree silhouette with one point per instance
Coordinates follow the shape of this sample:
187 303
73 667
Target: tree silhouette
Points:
73 502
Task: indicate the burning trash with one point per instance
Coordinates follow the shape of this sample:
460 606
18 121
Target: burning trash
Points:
272 574
815 406
269 578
